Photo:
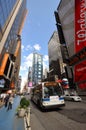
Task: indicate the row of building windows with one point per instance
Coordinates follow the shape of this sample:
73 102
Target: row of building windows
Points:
12 37
6 7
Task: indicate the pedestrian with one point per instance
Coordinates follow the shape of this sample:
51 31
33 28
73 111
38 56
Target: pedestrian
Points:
10 102
6 100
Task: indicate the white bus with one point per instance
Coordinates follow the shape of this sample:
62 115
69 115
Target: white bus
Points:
48 95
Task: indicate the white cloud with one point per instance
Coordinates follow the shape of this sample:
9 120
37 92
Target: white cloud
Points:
45 62
45 58
29 57
28 47
22 46
27 62
37 47
24 69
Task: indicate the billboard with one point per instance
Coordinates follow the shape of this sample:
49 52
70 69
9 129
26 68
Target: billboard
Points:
80 38
80 24
80 72
2 83
30 84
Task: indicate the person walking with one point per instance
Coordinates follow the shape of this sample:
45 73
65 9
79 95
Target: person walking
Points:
10 102
6 100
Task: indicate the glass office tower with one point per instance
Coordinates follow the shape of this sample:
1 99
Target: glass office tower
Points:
12 16
37 68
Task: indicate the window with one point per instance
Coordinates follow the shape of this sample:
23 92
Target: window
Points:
52 90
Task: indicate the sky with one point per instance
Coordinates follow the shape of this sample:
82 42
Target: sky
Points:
38 28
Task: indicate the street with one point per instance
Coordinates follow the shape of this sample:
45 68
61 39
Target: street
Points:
71 117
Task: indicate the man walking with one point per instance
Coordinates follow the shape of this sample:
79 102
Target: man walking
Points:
6 100
10 102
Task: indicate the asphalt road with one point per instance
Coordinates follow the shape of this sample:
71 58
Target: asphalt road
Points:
71 117
75 111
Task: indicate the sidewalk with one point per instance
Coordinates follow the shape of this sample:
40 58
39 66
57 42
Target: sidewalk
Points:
16 122
27 120
8 119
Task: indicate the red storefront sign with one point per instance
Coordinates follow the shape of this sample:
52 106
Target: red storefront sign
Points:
80 72
80 24
80 38
82 85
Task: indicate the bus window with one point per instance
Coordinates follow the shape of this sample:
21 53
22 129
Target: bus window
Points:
52 91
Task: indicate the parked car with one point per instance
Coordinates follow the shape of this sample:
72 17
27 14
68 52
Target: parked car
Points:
72 97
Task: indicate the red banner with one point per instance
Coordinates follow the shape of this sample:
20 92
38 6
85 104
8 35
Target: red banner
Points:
80 24
80 37
80 72
82 85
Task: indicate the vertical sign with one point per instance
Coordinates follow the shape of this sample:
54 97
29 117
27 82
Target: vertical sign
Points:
80 38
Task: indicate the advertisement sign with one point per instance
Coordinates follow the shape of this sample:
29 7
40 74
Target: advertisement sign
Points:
2 83
82 85
30 84
80 72
80 24
80 37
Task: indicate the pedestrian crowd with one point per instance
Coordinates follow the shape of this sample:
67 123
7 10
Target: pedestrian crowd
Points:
7 100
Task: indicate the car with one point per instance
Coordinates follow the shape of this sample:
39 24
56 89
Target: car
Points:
72 97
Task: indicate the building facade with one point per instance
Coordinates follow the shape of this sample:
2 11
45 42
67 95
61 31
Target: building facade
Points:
72 17
12 16
56 65
37 68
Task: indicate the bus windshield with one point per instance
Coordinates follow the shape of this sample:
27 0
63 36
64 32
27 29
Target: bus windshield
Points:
52 91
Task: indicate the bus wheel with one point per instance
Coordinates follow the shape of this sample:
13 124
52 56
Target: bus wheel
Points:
38 103
41 107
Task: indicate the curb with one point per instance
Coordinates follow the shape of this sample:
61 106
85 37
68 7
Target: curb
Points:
27 120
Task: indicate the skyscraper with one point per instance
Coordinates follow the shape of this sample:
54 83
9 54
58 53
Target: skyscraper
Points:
12 16
55 57
37 68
